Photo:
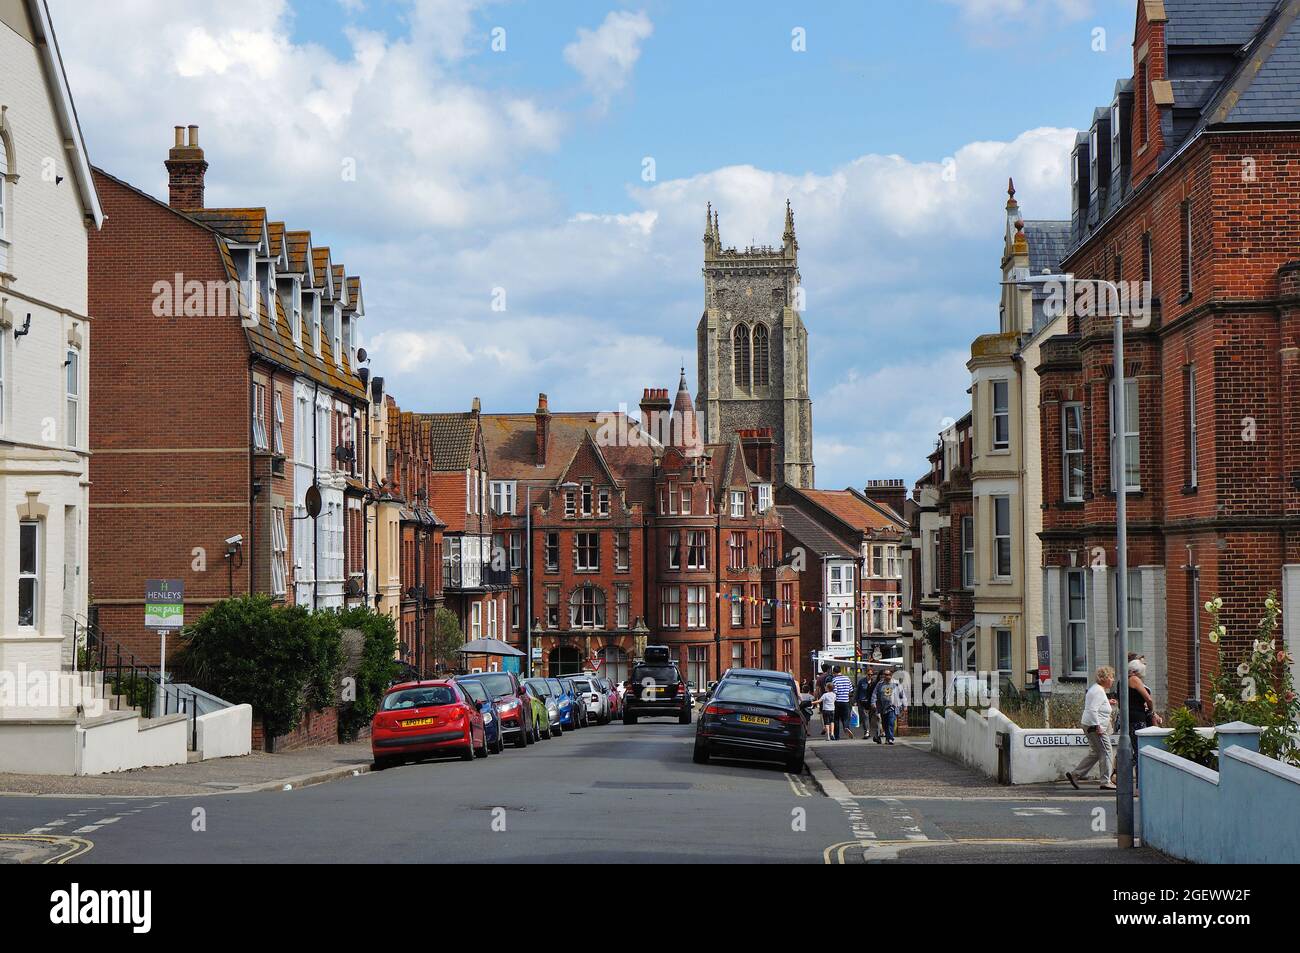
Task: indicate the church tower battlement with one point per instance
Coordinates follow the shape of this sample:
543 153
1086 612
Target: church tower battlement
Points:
752 345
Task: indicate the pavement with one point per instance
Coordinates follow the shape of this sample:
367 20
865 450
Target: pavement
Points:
612 793
255 772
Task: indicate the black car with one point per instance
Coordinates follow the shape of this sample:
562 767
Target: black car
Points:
658 690
755 718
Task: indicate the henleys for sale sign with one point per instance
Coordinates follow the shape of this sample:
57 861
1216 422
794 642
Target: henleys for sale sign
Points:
164 604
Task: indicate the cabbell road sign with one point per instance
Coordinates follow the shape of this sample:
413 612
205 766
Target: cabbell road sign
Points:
164 604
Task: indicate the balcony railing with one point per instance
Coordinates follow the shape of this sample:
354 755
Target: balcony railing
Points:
461 576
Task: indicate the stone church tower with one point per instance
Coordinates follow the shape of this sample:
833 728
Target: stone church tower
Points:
753 348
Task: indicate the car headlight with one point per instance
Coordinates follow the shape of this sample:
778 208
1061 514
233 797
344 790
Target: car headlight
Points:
508 706
487 718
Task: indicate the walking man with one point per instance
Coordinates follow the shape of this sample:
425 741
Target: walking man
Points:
891 702
1095 721
868 717
842 686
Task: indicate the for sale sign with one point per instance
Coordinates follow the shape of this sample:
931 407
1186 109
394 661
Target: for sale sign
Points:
164 604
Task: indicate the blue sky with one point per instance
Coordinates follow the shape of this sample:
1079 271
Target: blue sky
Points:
521 169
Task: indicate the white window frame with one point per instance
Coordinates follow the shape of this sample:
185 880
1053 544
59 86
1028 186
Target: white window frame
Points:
968 552
1076 627
34 574
737 504
1004 415
1001 538
673 552
697 607
622 605
670 607
476 620
1132 438
259 408
998 634
279 422
1193 460
737 607
1071 455
503 497
764 497
279 553
73 387
697 557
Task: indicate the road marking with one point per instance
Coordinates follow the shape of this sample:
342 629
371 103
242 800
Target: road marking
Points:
1039 811
796 782
75 846
107 820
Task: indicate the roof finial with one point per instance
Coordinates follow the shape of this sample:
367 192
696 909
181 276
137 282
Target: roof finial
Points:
708 222
1011 188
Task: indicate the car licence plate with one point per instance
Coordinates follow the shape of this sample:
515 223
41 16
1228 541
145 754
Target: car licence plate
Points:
755 720
417 722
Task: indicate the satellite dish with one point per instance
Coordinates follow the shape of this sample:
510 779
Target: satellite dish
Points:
313 501
362 356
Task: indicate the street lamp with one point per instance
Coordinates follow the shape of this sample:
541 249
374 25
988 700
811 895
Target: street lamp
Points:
528 534
1124 756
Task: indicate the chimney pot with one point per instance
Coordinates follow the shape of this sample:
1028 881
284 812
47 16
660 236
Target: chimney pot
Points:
180 136
194 137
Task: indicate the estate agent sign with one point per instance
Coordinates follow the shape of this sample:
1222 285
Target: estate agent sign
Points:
164 604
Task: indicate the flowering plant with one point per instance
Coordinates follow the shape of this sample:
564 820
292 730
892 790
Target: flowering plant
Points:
1258 689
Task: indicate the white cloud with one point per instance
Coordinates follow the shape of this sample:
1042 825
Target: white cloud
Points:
605 57
1068 9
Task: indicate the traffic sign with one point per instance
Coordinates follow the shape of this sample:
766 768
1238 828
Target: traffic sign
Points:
596 662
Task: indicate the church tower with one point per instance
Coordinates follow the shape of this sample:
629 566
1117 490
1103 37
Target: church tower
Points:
753 349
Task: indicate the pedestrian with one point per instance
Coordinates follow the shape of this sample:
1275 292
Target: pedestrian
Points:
823 678
1095 722
890 701
842 685
1141 706
868 718
827 701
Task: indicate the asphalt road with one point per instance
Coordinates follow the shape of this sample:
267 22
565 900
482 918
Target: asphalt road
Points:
609 793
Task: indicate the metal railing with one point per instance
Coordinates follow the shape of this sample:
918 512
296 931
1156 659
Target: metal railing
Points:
458 574
131 683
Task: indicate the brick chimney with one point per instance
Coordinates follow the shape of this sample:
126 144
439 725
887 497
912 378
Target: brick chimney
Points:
186 168
655 408
888 493
543 418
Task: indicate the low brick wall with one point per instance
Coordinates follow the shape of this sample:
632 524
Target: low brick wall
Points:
316 728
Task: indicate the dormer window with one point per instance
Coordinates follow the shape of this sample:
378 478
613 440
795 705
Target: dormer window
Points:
315 324
738 504
764 497
295 306
336 326
1116 142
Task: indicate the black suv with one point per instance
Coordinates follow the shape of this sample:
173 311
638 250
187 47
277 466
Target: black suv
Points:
658 689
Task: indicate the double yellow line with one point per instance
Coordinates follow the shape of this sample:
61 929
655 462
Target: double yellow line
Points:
74 846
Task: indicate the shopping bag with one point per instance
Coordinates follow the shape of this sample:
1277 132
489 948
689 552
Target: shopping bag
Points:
853 718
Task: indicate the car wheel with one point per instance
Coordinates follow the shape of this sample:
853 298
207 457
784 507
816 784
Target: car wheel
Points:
380 764
701 752
629 718
795 765
467 753
685 717
558 730
524 738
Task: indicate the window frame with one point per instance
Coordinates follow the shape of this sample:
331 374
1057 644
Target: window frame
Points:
1067 409
1075 625
968 551
1133 439
1000 539
1004 414
72 395
32 576
670 607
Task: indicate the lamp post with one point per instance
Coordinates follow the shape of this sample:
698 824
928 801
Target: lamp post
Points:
1119 457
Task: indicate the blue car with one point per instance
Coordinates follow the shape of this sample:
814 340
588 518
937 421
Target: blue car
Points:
571 709
494 741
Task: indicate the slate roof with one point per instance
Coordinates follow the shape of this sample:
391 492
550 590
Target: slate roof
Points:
1049 242
1271 93
812 534
1214 22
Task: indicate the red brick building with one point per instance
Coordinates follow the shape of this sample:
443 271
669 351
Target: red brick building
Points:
1190 181
226 384
631 540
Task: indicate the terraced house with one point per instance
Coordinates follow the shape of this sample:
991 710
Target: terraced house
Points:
254 478
1187 180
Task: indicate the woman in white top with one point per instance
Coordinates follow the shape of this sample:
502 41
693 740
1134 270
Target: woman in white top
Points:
1095 721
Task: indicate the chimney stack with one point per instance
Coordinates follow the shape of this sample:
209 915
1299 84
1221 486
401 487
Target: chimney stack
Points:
543 418
186 169
655 409
888 493
759 447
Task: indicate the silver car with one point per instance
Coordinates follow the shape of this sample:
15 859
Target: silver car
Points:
591 691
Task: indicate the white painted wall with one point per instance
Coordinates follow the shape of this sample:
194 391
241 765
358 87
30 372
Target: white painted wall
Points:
225 734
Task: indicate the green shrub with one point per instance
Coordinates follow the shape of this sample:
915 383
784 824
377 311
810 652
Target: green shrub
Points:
1186 742
375 670
278 659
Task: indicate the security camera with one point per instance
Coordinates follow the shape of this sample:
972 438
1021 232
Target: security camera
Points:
235 540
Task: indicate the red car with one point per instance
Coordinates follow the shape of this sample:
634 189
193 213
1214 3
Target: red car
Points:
423 718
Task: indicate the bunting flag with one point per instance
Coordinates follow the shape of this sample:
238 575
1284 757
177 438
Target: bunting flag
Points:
775 603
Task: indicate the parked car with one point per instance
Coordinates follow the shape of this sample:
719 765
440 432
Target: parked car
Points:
754 718
613 698
514 711
425 718
541 716
767 674
577 712
496 742
657 691
593 696
558 707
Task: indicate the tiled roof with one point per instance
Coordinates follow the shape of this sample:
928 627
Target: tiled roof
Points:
299 248
852 509
452 437
276 233
243 226
320 258
354 293
340 282
808 532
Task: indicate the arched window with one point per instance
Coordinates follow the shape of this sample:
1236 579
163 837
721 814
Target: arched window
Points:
4 199
587 608
740 356
760 356
615 667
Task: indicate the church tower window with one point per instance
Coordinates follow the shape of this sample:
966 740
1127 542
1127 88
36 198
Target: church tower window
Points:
761 374
741 357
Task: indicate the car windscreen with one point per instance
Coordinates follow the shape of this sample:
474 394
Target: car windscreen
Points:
475 691
542 687
582 686
419 698
754 692
556 687
658 674
496 684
